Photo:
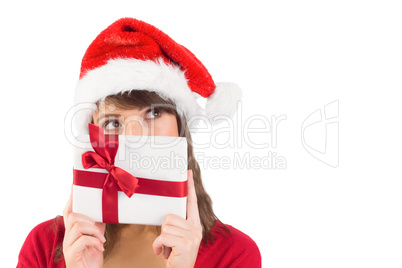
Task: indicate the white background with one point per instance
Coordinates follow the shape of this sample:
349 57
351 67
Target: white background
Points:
290 57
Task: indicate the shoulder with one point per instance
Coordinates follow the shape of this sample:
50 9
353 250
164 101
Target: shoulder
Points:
48 226
230 248
39 246
47 231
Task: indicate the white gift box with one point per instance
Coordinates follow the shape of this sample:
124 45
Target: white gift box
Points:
158 160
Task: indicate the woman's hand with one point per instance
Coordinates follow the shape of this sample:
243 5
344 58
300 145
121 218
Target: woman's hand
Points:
181 238
83 239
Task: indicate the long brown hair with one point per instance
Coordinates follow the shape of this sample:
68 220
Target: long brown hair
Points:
138 99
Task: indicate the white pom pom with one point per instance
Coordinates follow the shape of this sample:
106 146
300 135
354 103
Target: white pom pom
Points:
224 100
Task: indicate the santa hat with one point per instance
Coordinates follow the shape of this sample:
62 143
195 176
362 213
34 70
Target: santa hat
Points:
133 55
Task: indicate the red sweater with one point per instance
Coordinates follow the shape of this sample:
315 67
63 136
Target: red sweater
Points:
234 250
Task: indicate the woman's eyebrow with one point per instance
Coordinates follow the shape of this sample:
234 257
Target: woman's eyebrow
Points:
101 116
105 115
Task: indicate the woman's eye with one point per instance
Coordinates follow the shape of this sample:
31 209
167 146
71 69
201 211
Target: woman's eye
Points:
112 124
153 113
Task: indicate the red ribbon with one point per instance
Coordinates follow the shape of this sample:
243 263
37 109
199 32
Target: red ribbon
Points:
146 186
106 147
117 179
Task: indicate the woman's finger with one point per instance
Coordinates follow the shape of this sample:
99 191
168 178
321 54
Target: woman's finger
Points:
83 228
70 217
166 240
69 206
193 216
166 252
101 226
86 241
174 230
73 218
172 219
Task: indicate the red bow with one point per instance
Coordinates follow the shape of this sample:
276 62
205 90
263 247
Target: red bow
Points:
106 147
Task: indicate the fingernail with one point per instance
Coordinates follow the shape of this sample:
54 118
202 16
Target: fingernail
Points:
165 252
103 239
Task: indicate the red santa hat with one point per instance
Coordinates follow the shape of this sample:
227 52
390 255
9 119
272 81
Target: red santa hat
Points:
133 55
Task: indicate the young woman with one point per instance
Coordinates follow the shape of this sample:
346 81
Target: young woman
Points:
135 80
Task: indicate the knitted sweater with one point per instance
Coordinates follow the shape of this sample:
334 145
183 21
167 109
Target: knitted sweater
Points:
228 250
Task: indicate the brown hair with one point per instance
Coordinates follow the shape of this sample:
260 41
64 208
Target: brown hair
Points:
141 99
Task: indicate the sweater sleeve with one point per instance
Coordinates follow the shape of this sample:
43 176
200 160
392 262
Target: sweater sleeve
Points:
38 249
229 250
248 254
244 250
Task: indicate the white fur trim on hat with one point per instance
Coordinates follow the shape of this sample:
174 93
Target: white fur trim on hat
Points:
120 75
223 101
